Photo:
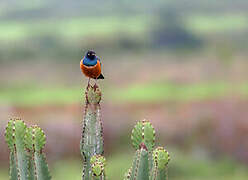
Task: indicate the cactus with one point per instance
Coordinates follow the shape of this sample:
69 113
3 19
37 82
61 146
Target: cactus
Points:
98 164
92 134
27 161
160 160
148 163
35 142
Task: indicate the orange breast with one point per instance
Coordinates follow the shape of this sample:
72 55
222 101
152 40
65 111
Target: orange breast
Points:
91 71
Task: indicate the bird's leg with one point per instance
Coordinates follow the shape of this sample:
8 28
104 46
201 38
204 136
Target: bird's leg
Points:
88 83
95 83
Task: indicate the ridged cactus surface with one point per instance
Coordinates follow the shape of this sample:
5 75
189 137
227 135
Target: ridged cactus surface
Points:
143 132
160 161
92 134
27 161
98 164
148 163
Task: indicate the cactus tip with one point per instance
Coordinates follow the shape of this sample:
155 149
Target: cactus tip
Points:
143 146
161 157
143 132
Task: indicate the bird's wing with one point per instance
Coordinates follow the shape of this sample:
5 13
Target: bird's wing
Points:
98 59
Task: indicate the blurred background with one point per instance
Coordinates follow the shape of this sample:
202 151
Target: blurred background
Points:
182 64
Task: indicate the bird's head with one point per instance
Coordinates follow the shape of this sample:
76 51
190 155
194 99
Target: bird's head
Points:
91 55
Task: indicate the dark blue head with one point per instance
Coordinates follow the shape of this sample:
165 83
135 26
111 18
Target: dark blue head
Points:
90 58
90 55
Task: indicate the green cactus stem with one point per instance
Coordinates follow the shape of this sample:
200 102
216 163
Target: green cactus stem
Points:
127 175
98 164
14 136
13 167
27 162
143 132
35 141
29 148
10 137
148 164
92 133
140 166
143 140
161 159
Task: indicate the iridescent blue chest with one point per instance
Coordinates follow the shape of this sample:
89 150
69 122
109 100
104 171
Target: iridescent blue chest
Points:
89 62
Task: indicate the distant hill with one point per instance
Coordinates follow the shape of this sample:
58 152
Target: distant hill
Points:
57 29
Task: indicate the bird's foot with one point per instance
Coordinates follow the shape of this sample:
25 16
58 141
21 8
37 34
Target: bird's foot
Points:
88 86
95 86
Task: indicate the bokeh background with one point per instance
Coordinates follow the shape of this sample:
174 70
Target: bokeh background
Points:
182 64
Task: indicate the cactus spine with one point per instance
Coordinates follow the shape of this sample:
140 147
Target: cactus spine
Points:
148 164
98 164
160 158
27 162
92 135
35 141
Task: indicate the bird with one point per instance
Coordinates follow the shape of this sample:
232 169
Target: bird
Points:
91 65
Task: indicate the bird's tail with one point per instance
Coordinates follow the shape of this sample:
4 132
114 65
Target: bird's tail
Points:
100 76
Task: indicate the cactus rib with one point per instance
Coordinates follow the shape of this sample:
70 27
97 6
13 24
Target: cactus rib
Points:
161 159
143 132
92 130
27 162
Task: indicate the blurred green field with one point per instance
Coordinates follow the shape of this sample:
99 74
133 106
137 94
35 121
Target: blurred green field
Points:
139 93
205 24
75 27
156 92
201 44
108 26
